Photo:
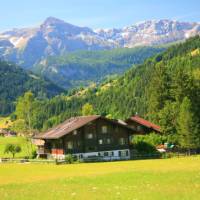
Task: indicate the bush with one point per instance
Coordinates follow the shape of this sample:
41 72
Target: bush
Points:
153 139
69 159
33 154
146 144
145 148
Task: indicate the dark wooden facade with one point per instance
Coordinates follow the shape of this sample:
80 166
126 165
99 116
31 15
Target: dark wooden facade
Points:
98 135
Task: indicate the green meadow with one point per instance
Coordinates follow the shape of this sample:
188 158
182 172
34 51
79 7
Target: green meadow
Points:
170 179
21 141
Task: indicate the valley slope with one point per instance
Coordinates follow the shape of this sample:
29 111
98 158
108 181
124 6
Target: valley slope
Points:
154 90
83 68
15 81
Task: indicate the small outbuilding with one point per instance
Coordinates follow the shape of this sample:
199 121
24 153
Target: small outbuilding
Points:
142 126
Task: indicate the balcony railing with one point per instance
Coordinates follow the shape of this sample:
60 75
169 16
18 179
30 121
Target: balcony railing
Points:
43 151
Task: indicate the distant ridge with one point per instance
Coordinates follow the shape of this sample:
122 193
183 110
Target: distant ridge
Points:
28 46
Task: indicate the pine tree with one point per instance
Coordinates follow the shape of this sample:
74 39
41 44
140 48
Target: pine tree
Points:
167 118
187 126
158 91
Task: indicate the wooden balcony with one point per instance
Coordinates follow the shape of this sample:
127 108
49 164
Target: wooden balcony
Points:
43 151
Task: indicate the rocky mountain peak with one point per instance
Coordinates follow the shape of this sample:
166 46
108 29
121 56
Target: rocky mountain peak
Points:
52 21
52 24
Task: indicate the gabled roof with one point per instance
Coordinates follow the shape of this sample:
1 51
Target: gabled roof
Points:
72 124
145 123
66 127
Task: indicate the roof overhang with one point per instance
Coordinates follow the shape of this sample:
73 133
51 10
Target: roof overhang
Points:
72 124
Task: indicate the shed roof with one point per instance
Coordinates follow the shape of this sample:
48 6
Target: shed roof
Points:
72 124
146 123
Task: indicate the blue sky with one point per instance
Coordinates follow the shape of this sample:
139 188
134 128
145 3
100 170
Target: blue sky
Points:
95 13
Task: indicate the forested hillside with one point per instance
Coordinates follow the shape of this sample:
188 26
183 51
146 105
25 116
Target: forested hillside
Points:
15 81
81 68
165 89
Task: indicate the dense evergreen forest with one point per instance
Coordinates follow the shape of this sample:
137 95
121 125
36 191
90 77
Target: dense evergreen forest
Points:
73 70
164 89
15 81
81 68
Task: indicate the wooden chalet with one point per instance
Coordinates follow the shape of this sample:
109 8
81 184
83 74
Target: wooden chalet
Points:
87 136
142 126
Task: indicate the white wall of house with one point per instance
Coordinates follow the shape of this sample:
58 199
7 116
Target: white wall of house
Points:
121 154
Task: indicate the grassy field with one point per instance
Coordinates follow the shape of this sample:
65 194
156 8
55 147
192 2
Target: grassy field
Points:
26 146
170 179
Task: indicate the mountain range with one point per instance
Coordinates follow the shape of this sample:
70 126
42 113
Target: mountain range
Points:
28 46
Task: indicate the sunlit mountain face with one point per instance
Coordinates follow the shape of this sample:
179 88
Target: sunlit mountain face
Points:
29 46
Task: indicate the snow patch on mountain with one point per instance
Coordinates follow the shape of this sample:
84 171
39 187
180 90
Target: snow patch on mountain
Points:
55 37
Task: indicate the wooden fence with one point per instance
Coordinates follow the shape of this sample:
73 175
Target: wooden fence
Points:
101 159
17 160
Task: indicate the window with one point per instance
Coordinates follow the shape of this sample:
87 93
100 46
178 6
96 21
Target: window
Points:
100 141
105 141
101 153
134 127
108 141
116 129
105 153
123 153
76 144
123 141
70 145
110 153
104 129
90 136
139 128
75 132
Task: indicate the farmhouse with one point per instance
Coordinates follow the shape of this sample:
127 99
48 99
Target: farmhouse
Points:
87 136
93 136
142 126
